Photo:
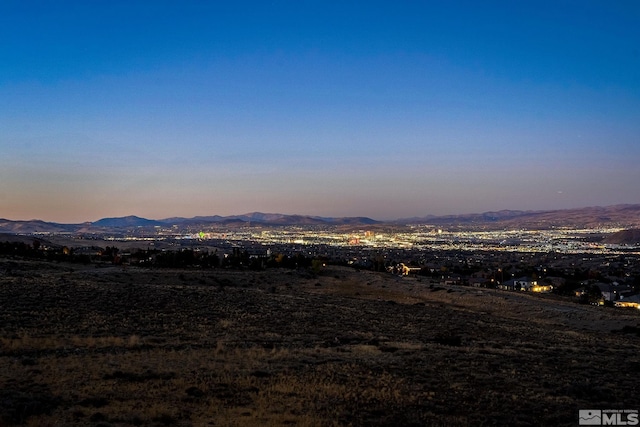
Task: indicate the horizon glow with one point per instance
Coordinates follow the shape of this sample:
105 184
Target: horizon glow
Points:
386 110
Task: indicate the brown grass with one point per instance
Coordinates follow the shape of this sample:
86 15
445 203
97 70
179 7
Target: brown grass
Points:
281 348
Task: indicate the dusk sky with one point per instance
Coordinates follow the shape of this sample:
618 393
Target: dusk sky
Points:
380 109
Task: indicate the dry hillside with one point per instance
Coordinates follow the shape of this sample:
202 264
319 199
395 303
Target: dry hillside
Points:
113 347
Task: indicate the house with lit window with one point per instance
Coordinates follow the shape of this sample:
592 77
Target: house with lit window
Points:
629 301
542 287
521 284
613 291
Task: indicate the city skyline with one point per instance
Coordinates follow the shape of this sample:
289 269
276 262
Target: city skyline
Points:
388 111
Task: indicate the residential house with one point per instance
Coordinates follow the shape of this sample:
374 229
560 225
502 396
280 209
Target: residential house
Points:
479 282
630 301
454 279
520 284
613 291
542 287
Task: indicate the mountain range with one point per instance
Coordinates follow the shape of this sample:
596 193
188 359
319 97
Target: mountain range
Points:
619 215
132 221
627 215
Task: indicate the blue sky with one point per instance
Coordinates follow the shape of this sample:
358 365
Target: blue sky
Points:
381 109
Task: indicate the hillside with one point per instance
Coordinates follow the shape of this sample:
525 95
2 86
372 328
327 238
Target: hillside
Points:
34 226
627 216
624 237
125 222
86 346
618 215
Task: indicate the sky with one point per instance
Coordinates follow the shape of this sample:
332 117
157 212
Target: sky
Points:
385 109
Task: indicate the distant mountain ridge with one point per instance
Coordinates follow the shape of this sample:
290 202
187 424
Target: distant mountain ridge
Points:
34 226
624 237
132 221
619 215
473 217
627 215
271 218
127 221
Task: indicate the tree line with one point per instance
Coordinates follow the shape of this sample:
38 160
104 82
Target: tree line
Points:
239 258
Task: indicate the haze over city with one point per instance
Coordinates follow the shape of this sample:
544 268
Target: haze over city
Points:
379 109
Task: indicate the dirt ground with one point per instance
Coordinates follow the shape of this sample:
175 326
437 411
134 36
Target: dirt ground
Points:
108 346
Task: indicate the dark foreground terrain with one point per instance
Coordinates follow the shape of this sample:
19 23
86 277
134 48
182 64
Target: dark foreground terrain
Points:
114 347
